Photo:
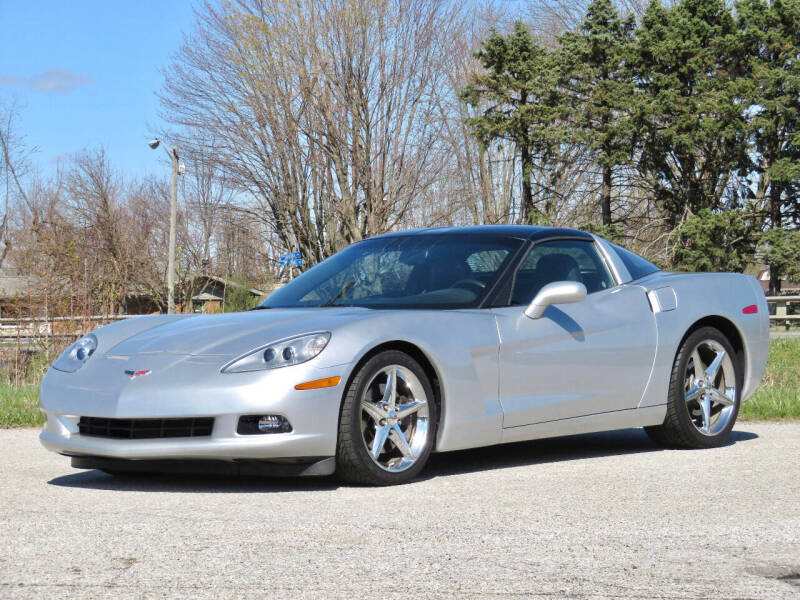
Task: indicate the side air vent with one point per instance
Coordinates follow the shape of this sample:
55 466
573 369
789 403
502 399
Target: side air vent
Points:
662 299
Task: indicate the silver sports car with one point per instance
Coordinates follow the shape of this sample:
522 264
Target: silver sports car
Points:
409 343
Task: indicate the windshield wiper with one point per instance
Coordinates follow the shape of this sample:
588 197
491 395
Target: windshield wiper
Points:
260 307
341 293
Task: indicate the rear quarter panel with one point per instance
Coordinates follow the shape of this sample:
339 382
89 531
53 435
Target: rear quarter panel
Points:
701 295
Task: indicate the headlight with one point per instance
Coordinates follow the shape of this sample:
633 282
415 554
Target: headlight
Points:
292 351
78 353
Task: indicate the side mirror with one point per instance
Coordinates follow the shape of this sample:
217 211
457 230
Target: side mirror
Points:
558 292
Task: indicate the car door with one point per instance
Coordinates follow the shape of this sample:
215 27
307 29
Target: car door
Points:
583 358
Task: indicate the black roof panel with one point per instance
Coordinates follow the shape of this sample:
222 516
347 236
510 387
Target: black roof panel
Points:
530 232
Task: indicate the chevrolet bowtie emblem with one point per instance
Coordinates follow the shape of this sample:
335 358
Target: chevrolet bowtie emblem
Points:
134 374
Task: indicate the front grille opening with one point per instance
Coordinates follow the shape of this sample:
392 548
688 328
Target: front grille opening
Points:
143 429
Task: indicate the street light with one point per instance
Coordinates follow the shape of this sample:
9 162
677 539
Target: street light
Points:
173 207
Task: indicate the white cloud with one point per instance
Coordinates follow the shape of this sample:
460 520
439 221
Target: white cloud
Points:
10 80
57 81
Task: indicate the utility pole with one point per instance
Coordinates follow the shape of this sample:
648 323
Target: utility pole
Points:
173 212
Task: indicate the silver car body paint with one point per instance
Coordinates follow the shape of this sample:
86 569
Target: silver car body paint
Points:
585 358
603 363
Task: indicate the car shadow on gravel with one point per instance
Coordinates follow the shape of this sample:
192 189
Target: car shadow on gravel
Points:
192 483
574 447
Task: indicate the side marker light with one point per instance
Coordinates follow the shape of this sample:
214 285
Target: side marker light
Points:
319 383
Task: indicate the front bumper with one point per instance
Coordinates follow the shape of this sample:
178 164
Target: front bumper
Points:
181 387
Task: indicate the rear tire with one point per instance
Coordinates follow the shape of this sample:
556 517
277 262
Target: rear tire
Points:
388 422
704 393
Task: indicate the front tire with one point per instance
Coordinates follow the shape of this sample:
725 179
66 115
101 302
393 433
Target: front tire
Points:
388 422
704 393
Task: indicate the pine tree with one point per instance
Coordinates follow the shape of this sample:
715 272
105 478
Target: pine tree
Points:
713 241
771 33
600 90
520 97
782 254
688 107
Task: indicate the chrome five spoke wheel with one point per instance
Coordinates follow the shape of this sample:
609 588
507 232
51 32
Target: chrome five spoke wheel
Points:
710 387
394 418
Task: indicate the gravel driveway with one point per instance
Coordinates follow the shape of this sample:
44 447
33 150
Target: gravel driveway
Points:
593 516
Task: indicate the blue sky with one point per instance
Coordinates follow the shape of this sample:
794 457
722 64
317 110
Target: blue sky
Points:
85 73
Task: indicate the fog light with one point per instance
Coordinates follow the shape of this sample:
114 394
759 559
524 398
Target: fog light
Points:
259 424
270 423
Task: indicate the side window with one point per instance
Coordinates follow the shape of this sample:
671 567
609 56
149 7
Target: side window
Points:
560 260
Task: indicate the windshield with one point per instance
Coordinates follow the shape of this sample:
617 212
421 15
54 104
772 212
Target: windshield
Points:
414 271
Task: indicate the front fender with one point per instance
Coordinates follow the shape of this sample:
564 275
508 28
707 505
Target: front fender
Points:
461 345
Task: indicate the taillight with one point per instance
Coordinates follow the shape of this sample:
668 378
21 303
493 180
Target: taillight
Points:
750 310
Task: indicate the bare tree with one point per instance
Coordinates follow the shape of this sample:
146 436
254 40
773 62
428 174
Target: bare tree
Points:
325 112
13 168
95 201
478 184
207 193
144 209
550 18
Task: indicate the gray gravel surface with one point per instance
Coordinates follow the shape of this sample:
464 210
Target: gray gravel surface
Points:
594 516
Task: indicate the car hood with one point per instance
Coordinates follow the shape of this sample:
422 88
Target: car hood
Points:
232 334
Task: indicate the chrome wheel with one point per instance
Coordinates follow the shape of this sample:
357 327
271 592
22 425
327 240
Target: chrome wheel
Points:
394 418
710 387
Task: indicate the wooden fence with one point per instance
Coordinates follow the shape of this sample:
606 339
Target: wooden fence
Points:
38 328
782 316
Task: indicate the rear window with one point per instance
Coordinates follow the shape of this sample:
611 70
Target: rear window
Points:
636 265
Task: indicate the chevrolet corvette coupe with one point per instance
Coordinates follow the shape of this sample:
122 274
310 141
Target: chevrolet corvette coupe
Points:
409 343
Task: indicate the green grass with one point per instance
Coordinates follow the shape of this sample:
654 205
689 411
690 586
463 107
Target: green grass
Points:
778 396
19 406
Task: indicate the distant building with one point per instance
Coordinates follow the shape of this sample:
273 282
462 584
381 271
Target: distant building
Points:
209 293
786 287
